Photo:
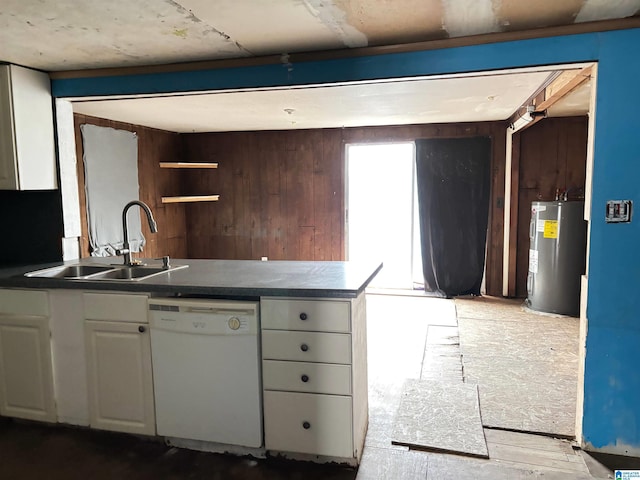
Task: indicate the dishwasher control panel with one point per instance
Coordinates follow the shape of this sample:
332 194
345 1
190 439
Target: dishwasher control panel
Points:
204 317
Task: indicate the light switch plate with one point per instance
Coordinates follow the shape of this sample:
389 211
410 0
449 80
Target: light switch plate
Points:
618 211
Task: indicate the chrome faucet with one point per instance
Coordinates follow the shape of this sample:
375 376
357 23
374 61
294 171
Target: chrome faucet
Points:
126 250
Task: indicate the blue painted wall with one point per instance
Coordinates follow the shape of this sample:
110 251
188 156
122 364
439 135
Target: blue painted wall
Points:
612 381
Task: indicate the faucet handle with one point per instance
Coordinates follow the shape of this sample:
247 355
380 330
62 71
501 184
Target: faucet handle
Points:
122 251
165 261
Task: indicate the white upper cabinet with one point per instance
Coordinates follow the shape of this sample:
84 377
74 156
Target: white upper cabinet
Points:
27 152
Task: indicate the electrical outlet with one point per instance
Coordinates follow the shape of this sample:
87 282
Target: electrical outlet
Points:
618 211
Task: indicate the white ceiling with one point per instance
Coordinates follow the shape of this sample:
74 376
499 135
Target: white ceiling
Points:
55 35
444 100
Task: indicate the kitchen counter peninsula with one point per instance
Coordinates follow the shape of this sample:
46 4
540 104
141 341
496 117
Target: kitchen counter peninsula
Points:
94 349
219 278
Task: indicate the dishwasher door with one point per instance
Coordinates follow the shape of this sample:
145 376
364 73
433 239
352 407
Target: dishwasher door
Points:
206 370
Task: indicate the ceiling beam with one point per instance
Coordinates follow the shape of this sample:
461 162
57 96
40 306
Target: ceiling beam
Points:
582 76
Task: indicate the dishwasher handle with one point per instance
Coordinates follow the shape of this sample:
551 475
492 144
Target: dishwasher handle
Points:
219 311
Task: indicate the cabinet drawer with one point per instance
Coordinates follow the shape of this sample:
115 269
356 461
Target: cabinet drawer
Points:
308 423
117 307
307 315
306 346
24 302
306 377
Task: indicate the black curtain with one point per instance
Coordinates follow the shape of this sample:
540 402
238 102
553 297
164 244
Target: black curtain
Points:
453 199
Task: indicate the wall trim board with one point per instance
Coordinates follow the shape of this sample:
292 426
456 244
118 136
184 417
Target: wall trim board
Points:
512 179
67 163
466 59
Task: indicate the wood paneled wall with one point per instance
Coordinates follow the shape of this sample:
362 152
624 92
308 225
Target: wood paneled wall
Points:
154 146
282 192
553 155
281 195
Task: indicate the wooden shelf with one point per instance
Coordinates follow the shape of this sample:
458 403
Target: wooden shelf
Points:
191 198
188 165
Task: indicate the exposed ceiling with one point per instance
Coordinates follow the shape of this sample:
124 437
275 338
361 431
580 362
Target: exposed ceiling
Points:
56 35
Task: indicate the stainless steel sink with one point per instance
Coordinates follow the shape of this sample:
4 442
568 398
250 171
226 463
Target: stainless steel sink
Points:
134 273
103 272
70 271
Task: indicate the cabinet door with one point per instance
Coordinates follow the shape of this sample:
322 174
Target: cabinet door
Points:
119 377
27 152
26 385
8 166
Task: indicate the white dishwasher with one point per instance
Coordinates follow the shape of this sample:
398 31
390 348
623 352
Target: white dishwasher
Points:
206 370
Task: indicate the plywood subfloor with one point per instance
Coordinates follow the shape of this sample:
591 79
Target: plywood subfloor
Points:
440 416
525 365
442 360
418 338
514 456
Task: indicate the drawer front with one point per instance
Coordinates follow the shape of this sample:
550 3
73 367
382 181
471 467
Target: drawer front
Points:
306 377
308 423
116 307
307 315
306 346
24 302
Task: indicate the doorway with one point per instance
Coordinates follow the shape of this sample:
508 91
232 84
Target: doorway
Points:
382 212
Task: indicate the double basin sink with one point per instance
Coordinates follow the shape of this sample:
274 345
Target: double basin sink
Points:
103 272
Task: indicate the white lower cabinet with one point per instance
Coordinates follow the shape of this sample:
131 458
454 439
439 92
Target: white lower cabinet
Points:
314 377
119 372
26 386
308 423
26 379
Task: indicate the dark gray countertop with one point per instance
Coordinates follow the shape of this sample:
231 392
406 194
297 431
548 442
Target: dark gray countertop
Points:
223 278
